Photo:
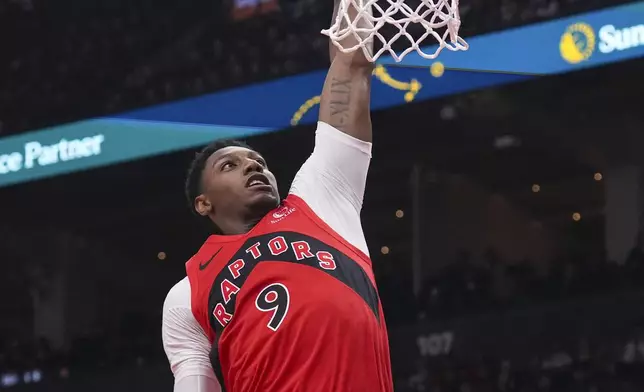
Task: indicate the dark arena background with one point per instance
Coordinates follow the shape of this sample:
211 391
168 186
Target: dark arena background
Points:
504 212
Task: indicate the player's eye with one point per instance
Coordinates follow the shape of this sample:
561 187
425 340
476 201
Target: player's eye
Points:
261 161
227 165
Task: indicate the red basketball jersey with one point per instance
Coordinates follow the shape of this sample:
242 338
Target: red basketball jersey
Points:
290 306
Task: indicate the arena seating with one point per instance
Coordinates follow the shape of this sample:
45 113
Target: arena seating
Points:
72 59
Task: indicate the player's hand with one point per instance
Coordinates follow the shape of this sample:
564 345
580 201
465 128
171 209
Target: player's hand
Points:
356 58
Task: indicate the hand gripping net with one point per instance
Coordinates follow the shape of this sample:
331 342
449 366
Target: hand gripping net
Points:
439 18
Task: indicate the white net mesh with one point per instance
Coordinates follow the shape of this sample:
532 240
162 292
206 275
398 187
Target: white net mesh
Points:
399 27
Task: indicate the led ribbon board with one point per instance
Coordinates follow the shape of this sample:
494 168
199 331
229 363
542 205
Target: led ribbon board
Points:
564 45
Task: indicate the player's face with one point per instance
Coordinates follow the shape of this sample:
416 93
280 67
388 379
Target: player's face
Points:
237 182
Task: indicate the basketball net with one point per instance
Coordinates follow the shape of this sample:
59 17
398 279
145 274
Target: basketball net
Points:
406 27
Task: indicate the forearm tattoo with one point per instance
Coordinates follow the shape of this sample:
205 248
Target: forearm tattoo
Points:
340 101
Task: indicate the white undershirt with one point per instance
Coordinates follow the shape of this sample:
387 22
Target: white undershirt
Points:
332 183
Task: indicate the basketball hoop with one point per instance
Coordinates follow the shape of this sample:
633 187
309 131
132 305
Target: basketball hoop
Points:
410 26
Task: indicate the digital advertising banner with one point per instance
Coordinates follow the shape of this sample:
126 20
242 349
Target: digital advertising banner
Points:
94 143
564 45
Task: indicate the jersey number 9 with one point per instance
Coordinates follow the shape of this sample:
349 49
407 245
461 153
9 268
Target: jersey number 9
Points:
274 298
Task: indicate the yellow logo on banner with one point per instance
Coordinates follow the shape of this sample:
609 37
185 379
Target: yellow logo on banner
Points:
577 43
411 88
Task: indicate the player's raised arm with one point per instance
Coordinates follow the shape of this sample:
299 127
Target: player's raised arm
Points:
345 99
332 181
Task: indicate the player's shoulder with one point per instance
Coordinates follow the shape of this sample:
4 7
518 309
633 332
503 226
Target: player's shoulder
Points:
178 296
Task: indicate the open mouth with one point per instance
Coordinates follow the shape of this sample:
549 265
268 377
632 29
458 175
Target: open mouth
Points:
258 180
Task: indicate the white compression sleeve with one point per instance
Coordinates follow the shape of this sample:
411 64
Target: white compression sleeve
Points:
197 384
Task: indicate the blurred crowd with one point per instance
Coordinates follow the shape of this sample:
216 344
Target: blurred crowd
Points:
607 366
135 342
72 59
470 285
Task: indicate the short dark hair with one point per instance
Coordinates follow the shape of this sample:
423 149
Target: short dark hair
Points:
193 186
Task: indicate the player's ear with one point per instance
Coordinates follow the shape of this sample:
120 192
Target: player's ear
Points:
203 205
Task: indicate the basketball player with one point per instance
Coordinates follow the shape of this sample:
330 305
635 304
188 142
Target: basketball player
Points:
282 297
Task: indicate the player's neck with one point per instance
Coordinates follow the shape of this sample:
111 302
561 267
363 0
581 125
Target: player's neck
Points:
235 222
236 226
